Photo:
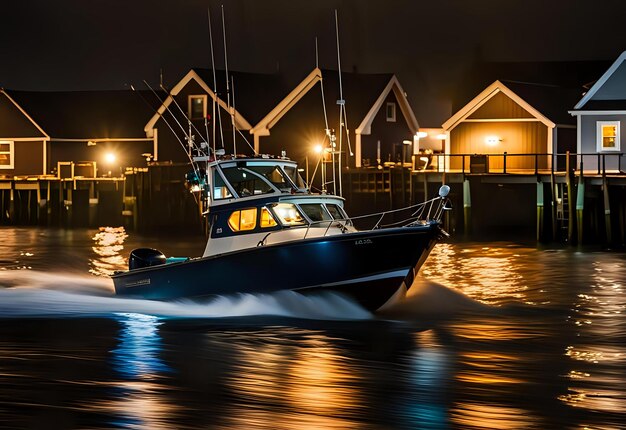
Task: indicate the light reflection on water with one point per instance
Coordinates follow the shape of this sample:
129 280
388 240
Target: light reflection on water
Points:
497 336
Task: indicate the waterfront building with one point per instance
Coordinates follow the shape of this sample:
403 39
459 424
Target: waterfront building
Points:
601 122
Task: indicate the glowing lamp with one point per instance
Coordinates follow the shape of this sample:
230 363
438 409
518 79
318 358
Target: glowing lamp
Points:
109 157
421 134
317 149
441 136
492 140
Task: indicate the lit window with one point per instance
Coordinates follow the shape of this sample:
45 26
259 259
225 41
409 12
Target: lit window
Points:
242 220
288 214
197 107
6 155
267 220
608 138
391 112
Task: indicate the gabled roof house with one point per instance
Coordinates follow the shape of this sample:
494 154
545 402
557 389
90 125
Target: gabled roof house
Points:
40 129
516 118
601 121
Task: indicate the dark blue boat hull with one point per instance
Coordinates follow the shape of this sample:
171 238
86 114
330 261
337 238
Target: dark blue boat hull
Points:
368 266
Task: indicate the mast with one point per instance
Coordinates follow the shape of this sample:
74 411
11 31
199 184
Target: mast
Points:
214 81
230 110
341 102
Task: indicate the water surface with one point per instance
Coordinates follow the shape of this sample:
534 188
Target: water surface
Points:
496 335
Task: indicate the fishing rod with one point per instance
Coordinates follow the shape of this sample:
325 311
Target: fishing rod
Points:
219 116
189 122
341 102
234 127
232 113
164 120
194 165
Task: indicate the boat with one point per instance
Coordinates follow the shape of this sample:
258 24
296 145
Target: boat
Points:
266 232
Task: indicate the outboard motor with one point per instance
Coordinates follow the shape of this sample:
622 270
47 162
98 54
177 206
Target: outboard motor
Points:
145 257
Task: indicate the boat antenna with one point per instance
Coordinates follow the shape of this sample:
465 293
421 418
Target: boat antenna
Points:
327 132
214 98
341 102
219 112
232 84
232 113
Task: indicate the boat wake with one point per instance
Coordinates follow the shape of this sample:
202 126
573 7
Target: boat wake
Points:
30 294
427 300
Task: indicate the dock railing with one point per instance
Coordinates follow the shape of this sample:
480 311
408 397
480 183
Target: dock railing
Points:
529 163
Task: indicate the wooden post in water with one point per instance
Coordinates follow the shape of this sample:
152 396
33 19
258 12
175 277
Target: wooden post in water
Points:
12 204
93 204
540 217
553 203
607 209
48 205
40 203
68 205
622 216
467 207
580 206
571 225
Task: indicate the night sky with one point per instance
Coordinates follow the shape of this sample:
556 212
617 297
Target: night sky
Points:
98 44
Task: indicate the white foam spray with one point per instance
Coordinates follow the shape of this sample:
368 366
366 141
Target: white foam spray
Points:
34 294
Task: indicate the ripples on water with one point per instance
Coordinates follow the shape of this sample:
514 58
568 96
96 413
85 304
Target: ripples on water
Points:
490 336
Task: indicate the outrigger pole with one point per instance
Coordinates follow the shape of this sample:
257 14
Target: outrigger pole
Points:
219 114
343 117
232 113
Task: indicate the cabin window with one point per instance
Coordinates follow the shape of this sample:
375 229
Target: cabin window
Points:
315 212
335 211
220 190
292 172
391 112
245 182
288 214
608 136
6 155
267 220
197 107
272 174
242 220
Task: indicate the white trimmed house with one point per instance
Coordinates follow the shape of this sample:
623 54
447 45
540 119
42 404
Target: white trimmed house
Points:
379 118
601 121
514 118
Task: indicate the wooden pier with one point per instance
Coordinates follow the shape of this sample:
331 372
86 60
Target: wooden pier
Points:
141 199
568 205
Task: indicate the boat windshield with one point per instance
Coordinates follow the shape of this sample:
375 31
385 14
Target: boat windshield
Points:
315 212
245 182
272 174
336 211
293 174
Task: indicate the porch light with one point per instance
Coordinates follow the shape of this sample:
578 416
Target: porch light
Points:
441 136
492 140
421 134
317 149
109 157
